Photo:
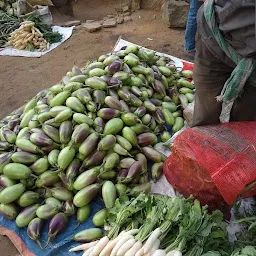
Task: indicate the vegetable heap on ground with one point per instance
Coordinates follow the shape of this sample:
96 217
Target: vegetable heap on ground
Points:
33 34
27 36
157 225
92 133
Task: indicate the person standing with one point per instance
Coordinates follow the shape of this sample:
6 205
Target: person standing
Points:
225 62
191 29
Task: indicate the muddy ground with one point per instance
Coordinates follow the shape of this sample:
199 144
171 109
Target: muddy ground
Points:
21 78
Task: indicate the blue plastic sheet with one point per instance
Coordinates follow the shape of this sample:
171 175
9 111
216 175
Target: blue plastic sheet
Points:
62 243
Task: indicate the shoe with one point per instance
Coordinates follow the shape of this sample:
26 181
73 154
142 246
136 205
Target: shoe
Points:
190 55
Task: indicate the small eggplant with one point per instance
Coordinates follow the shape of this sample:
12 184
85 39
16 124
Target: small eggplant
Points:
115 66
134 170
34 230
68 208
114 82
56 225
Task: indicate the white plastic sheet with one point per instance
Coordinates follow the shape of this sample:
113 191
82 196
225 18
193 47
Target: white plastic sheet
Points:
66 34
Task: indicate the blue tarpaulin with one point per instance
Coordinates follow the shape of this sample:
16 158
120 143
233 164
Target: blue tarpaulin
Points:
62 243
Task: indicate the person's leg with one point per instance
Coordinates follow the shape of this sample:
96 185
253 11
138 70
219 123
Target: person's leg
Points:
244 108
191 27
210 75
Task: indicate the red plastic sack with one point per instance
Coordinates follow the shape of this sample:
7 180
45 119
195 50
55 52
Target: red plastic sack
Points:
214 162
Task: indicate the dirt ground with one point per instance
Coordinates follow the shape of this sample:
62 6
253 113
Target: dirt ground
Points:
21 78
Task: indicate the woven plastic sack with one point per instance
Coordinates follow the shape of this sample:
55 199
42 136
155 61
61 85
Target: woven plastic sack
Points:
214 162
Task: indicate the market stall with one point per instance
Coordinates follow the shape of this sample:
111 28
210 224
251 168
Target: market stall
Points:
85 154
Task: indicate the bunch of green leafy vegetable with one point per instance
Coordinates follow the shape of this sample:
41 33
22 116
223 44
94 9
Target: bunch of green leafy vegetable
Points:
183 224
7 25
46 30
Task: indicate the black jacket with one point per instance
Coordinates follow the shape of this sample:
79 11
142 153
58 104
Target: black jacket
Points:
236 19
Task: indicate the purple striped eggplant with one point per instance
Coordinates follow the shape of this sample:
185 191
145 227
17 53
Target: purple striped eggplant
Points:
26 215
152 154
40 139
66 129
122 175
140 111
147 138
159 87
126 163
113 103
52 132
107 142
134 171
67 183
84 95
99 124
113 94
158 116
17 129
34 230
89 144
6 182
124 94
94 159
69 208
12 123
125 106
24 158
73 169
156 102
99 97
9 135
48 149
5 159
108 113
56 225
115 66
80 133
9 211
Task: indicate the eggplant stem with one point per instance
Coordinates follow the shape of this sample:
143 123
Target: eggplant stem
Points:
48 241
139 147
78 224
39 244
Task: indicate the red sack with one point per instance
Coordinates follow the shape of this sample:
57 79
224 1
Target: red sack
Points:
214 162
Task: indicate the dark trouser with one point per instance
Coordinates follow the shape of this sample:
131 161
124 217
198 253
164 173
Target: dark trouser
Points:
211 71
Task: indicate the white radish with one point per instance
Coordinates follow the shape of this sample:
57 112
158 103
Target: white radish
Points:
100 246
159 253
151 240
88 252
132 232
83 247
140 252
174 253
121 234
125 247
137 246
177 253
155 246
108 248
120 242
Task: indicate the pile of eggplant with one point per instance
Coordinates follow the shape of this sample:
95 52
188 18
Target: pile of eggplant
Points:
93 133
